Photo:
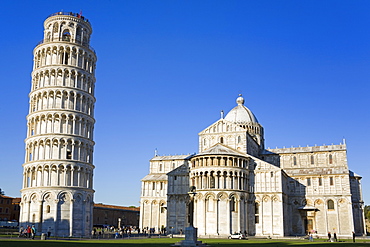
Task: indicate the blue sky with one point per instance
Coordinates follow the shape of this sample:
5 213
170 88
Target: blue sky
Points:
166 68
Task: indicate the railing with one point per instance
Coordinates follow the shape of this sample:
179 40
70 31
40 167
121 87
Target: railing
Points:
83 44
70 14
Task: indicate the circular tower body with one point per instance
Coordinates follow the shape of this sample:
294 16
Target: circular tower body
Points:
57 192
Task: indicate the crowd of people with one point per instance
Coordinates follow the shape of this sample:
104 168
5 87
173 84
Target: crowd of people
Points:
27 232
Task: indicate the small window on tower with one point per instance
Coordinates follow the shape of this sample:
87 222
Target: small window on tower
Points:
331 205
312 160
256 213
320 181
69 155
330 159
295 161
331 180
221 140
308 181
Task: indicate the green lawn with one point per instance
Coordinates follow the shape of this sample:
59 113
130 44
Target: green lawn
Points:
152 242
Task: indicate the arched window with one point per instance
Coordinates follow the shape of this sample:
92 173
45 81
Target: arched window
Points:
55 28
66 35
294 160
330 204
48 35
232 204
221 140
65 57
239 139
160 167
78 34
312 160
212 181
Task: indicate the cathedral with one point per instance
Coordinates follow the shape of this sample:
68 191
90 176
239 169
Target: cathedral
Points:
242 187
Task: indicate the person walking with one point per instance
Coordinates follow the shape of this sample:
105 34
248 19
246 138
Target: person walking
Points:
335 237
21 229
33 231
329 237
354 236
28 231
49 231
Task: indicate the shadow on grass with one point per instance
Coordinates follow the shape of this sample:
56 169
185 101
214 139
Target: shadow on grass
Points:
168 241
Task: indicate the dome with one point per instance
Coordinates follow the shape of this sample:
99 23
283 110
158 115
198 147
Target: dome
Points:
240 113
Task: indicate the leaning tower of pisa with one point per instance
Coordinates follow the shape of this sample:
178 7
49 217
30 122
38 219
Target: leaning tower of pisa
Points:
57 192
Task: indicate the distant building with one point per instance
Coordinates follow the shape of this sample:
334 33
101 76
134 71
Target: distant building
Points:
116 216
243 187
9 208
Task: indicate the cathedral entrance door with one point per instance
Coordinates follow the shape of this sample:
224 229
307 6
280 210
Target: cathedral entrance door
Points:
309 224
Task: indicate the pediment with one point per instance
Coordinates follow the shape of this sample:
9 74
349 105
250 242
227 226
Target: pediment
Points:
220 149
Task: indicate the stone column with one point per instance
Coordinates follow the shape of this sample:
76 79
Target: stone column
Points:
21 213
71 218
239 203
28 211
39 227
228 215
83 225
56 217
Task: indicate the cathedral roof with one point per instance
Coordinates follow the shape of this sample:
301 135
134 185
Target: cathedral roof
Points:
181 170
172 157
155 177
221 149
240 113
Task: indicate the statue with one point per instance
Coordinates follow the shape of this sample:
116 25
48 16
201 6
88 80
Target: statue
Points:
191 194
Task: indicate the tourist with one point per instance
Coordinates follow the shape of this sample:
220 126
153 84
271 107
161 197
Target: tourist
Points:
33 231
329 237
21 229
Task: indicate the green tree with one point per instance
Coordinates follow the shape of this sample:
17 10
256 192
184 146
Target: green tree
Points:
367 211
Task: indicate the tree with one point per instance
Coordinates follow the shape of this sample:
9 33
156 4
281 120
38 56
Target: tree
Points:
367 211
